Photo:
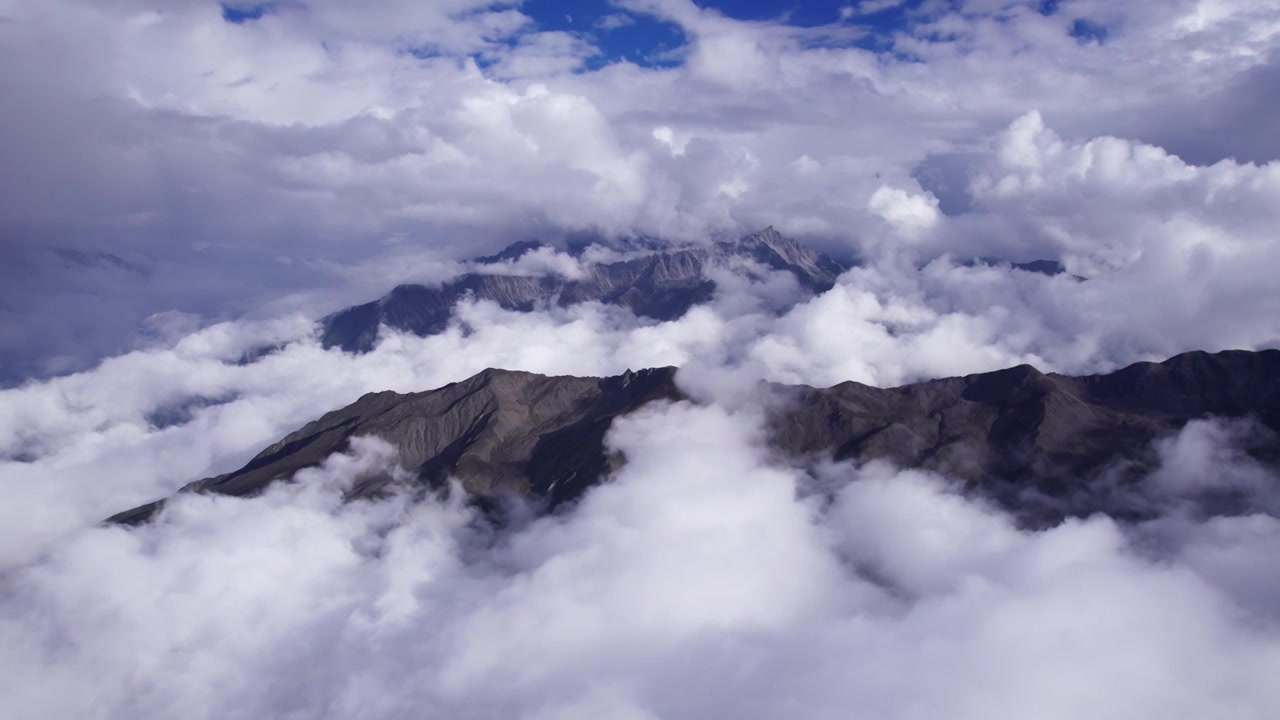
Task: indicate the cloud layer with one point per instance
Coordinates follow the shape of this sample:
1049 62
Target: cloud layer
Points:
243 162
181 191
1176 257
703 579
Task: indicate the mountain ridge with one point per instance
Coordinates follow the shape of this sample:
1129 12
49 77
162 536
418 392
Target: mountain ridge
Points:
1011 434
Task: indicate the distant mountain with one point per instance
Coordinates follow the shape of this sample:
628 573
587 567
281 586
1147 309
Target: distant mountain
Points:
659 284
1040 267
514 251
1045 446
79 259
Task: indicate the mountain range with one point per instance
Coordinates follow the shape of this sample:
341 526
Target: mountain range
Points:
1045 446
660 284
656 280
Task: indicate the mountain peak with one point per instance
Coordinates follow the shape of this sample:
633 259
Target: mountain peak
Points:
816 271
499 431
1016 384
514 251
770 238
768 234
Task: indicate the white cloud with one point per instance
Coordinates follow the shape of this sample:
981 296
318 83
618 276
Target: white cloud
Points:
614 21
699 578
910 215
1205 458
247 164
868 7
298 140
539 261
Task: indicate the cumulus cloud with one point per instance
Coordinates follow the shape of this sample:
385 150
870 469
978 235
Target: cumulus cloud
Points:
1184 251
705 576
169 172
263 153
909 215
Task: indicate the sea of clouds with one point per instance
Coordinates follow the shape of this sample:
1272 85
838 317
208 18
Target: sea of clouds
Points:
250 181
701 580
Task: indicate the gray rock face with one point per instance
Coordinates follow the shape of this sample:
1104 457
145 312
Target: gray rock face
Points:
1044 446
660 285
499 432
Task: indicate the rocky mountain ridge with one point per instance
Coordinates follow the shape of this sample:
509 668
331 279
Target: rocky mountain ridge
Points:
1046 446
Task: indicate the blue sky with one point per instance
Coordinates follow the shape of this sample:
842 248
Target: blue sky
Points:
645 40
641 39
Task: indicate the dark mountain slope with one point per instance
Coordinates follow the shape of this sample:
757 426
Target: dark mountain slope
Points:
1039 444
1036 442
500 431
